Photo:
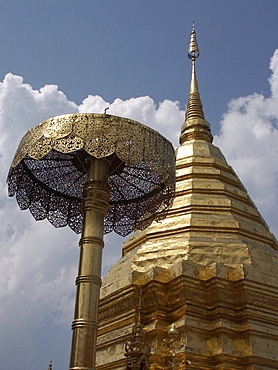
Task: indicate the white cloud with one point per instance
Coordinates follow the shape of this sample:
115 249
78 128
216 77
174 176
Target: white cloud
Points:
248 139
93 104
21 108
38 263
166 118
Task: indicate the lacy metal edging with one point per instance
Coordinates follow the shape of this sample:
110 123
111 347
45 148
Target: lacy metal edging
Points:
49 170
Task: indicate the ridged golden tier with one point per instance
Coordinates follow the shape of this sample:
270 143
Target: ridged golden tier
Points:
212 220
210 268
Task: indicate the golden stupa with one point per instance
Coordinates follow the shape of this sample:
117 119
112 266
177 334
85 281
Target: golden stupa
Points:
206 276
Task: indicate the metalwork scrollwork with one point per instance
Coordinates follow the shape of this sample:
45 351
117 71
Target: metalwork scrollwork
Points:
49 170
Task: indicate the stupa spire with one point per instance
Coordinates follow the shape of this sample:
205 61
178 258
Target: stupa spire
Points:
193 54
195 125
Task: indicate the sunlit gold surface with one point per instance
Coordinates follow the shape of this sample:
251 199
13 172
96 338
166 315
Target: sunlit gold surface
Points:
100 135
49 170
127 173
195 125
94 209
210 268
193 49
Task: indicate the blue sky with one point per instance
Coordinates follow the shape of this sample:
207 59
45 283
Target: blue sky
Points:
63 56
125 49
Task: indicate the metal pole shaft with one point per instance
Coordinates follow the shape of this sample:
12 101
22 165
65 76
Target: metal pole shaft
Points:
85 323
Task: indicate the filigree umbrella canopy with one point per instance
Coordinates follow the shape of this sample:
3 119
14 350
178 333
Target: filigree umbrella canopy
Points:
95 173
50 166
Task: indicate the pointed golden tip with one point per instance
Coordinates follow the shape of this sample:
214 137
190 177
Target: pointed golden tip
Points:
193 50
195 126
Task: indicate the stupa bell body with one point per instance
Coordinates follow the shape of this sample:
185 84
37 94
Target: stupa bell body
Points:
210 268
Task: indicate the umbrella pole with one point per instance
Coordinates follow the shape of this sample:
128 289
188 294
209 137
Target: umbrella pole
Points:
94 209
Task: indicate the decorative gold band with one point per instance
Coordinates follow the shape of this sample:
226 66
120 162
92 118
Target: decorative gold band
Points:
91 239
92 279
82 323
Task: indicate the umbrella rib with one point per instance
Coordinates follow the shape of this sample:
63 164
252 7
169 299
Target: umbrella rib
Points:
142 197
76 180
56 166
118 189
44 186
138 177
53 159
133 185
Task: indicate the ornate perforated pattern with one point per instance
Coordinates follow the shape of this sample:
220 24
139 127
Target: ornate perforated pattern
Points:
49 170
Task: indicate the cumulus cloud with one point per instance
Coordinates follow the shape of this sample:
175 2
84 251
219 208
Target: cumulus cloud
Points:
166 118
38 263
248 138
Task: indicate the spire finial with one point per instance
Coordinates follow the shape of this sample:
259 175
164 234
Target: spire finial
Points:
193 50
195 126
